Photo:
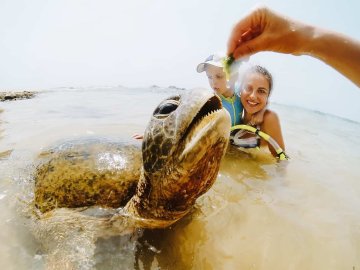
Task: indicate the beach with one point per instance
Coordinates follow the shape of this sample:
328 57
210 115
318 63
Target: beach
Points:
260 213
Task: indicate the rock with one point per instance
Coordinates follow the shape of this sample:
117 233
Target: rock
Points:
5 96
175 87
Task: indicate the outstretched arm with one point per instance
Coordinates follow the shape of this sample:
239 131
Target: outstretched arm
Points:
266 30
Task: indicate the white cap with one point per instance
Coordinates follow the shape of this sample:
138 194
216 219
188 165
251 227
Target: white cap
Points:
214 60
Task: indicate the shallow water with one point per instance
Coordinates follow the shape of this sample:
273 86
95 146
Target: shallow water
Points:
260 214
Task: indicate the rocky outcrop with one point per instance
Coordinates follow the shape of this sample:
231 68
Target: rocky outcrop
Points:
4 96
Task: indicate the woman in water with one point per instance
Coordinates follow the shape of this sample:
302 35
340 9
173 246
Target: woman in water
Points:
255 90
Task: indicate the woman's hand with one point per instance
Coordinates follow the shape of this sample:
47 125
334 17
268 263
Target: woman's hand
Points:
137 136
265 30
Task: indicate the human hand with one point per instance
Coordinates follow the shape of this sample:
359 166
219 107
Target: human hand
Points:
265 30
137 136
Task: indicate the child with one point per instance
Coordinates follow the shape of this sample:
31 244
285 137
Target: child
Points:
213 66
228 91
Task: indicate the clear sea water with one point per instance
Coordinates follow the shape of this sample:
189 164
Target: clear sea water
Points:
260 214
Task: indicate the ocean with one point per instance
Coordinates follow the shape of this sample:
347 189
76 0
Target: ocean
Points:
260 213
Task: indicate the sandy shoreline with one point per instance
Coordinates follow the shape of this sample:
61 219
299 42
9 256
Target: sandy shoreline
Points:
5 96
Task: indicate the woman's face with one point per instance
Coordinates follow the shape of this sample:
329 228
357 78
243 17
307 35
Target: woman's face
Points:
217 79
255 92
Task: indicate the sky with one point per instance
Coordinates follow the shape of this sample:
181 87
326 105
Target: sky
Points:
139 43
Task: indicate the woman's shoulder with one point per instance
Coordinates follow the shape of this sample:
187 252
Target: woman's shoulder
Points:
271 126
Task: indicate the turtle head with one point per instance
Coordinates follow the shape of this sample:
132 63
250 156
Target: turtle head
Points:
183 145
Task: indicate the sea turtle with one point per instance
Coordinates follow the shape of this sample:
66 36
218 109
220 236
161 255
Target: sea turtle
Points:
128 186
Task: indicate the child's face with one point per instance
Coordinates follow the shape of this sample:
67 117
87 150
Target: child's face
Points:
255 92
217 79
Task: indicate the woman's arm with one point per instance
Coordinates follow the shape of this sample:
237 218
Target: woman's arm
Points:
266 30
271 126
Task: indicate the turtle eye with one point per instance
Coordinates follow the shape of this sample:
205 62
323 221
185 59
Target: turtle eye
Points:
165 108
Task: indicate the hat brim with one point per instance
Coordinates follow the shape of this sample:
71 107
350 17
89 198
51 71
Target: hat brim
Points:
202 66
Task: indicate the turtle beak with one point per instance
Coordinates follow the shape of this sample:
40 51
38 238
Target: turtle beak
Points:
211 129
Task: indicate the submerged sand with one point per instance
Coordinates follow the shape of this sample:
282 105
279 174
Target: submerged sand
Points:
260 214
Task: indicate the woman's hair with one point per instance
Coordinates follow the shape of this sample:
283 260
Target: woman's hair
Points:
263 71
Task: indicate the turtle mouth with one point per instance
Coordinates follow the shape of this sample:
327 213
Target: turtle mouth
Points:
211 106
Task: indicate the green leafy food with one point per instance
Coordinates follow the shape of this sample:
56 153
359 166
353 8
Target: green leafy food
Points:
227 65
